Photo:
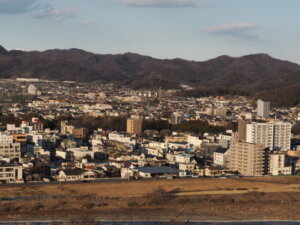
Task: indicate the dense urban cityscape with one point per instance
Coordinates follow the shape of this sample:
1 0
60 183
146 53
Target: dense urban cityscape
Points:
67 131
149 112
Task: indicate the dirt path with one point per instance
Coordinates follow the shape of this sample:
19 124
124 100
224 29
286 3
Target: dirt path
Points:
282 188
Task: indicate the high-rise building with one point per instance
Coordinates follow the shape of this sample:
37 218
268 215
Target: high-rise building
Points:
247 158
263 108
242 130
273 135
282 136
161 93
134 125
37 124
176 119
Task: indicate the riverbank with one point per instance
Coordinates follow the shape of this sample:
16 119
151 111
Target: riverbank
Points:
263 198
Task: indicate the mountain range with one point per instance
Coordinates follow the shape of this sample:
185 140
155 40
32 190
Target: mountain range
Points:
259 75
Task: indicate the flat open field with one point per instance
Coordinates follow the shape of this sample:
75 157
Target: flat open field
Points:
262 198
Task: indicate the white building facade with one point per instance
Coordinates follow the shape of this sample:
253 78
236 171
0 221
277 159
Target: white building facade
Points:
277 164
263 108
275 135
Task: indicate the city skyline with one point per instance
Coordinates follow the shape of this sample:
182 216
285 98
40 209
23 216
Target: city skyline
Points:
190 29
149 112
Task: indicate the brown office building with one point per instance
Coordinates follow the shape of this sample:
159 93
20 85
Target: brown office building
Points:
79 133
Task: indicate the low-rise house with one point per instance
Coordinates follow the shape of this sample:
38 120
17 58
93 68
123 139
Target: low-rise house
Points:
176 138
111 171
89 175
127 172
202 171
209 171
150 161
155 152
119 163
162 171
189 167
70 174
99 173
76 174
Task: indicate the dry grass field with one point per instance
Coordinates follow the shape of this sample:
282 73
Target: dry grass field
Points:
263 198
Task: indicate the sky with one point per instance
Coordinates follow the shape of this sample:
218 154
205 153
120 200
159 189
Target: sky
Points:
189 29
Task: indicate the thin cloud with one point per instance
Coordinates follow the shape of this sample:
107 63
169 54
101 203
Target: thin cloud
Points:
58 14
241 30
15 6
162 3
17 49
87 22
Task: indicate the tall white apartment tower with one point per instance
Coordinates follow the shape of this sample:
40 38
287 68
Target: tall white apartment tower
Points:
275 135
263 108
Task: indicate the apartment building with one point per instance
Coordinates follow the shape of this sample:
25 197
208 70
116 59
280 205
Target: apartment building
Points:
247 158
81 152
10 151
282 136
273 135
278 164
38 126
5 138
134 125
263 108
221 157
261 133
276 136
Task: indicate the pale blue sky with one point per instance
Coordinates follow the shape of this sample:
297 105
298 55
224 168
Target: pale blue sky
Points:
189 29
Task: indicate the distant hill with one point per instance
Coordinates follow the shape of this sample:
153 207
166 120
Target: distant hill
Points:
259 74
